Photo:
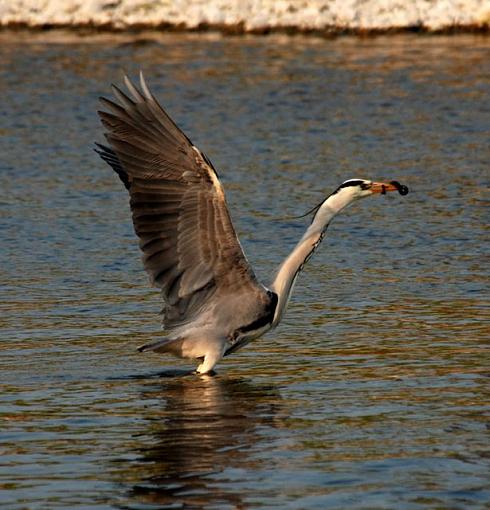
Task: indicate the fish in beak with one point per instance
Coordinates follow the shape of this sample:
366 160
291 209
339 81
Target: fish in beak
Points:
383 187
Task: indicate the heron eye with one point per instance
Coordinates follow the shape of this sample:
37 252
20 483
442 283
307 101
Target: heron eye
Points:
365 185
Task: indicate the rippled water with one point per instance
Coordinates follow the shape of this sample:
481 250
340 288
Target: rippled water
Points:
372 394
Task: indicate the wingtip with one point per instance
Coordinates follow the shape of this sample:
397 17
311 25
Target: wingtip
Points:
102 100
101 148
127 81
144 86
134 91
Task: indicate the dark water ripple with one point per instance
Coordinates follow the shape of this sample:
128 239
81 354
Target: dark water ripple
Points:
373 394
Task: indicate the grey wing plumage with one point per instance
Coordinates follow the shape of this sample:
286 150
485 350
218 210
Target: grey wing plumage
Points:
179 211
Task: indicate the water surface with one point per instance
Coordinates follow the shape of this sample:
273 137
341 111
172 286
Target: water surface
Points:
373 393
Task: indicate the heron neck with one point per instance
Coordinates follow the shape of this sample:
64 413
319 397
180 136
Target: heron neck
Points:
288 271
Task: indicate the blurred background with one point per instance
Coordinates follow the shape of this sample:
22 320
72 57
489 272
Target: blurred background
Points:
372 393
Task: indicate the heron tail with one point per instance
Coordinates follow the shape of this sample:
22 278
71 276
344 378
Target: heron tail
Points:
172 345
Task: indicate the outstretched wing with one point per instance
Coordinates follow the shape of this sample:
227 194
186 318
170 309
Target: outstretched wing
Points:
190 248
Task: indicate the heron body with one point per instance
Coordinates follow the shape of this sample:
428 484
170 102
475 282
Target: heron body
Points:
213 302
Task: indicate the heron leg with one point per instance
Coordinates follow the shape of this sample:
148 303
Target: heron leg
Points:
209 362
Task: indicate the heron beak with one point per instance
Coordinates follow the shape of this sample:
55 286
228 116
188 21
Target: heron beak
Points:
383 187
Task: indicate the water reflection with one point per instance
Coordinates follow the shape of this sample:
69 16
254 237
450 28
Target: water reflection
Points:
203 427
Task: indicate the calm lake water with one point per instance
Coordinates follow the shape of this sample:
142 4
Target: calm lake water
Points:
372 394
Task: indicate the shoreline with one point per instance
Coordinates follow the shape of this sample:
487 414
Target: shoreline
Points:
239 29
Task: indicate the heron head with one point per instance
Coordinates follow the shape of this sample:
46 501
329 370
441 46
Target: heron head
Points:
360 188
352 190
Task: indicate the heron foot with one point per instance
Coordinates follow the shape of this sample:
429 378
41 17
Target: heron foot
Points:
210 373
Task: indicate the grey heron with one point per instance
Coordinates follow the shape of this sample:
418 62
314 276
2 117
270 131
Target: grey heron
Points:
213 302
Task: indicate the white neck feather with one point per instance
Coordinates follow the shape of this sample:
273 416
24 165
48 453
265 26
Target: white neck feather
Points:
288 271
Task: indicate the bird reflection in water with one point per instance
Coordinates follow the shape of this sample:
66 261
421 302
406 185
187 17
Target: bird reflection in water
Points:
206 426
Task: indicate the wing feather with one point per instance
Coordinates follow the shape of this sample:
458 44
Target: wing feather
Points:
190 248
